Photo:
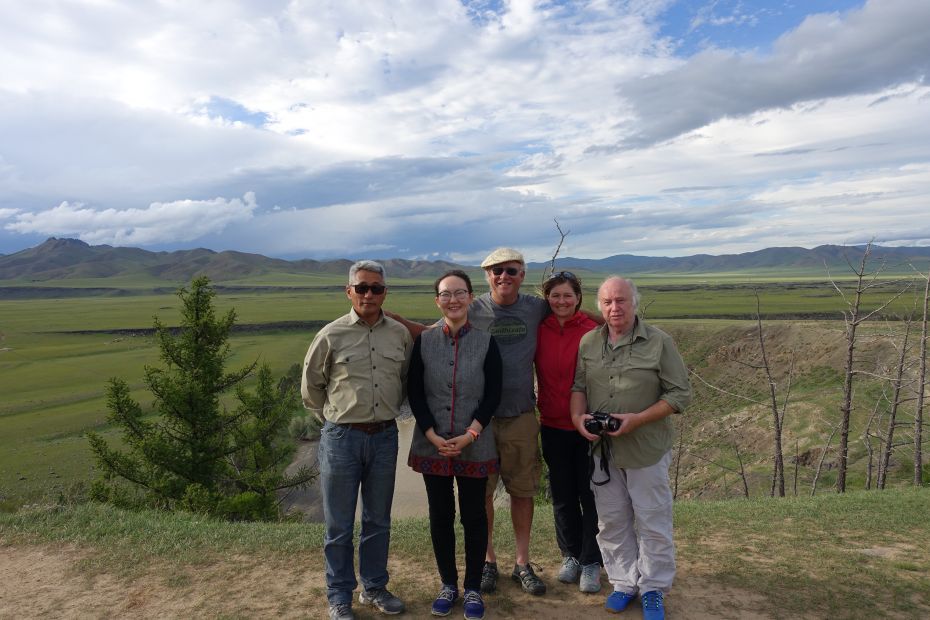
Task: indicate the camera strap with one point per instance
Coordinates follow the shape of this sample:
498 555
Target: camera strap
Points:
605 461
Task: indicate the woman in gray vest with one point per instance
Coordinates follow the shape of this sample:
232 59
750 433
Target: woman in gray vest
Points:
454 386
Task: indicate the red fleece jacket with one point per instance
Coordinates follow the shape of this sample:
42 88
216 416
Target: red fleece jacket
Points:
556 353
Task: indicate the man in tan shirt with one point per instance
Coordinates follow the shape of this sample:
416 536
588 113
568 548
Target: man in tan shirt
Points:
353 379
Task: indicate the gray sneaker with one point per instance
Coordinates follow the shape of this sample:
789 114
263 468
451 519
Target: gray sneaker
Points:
381 598
570 570
590 578
341 611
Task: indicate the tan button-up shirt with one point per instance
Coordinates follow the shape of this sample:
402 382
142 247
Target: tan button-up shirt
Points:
355 372
628 377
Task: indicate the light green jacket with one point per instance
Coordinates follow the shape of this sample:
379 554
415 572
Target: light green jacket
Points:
630 376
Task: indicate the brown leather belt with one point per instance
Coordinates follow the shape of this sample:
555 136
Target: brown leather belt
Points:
372 428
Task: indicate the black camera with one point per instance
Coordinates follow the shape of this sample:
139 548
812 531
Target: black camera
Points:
601 423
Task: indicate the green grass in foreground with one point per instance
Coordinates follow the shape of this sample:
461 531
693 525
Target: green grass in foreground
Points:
858 555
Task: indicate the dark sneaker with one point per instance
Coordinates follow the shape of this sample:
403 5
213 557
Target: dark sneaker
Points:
341 611
570 570
653 605
590 581
530 583
618 601
474 606
442 606
489 577
381 598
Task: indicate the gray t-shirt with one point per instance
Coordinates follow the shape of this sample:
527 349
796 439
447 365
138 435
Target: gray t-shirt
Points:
514 327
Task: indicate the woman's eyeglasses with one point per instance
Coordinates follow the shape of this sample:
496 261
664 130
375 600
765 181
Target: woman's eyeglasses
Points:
364 287
565 275
511 271
446 296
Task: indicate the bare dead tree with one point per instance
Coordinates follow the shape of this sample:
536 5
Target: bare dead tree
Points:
867 437
921 387
742 471
823 455
853 317
897 383
778 411
678 453
797 459
778 459
548 271
643 308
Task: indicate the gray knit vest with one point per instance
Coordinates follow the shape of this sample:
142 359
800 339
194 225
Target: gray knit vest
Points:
453 378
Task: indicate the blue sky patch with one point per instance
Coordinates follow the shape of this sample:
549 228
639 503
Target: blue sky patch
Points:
739 24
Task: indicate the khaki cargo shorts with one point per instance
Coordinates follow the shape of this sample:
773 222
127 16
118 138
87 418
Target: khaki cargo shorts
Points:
517 441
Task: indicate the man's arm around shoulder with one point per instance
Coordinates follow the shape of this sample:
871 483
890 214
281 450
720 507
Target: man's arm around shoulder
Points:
413 327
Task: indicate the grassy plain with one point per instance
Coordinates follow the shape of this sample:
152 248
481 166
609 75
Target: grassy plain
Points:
58 348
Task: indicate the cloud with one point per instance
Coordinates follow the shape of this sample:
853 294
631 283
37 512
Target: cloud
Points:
880 46
404 132
170 222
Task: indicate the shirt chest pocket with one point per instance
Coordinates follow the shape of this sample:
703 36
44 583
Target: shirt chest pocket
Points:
353 363
600 369
392 358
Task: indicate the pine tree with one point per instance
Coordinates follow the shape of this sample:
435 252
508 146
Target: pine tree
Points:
195 454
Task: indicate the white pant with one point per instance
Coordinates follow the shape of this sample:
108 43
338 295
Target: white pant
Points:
634 512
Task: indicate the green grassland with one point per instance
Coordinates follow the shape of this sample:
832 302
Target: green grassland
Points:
57 353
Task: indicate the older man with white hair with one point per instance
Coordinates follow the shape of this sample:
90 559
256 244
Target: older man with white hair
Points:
629 379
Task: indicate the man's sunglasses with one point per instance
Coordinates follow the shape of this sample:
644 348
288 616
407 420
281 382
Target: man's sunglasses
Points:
565 275
511 271
364 287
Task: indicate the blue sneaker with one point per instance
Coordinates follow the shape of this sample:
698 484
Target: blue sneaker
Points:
617 601
442 606
474 606
653 607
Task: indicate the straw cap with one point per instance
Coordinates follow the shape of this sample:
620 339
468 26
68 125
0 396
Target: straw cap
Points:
502 255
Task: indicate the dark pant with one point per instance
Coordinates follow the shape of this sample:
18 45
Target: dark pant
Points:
566 455
441 500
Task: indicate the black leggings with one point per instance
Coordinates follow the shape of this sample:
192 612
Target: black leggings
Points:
566 454
442 526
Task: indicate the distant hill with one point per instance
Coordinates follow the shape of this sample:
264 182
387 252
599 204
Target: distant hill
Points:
69 259
788 259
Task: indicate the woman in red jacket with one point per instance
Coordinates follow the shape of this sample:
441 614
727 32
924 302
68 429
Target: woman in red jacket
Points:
565 450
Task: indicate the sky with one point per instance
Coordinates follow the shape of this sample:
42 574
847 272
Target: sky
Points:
444 129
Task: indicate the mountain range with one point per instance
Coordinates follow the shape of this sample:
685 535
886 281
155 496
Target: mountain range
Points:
57 259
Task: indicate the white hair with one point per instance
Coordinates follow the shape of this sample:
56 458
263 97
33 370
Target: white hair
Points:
629 283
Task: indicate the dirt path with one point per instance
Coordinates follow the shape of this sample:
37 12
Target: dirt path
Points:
61 582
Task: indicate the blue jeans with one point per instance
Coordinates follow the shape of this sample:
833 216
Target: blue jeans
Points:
349 459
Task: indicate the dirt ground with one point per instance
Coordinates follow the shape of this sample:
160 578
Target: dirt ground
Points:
61 582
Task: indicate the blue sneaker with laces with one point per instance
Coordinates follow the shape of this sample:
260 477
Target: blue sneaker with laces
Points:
442 606
617 601
653 605
474 605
